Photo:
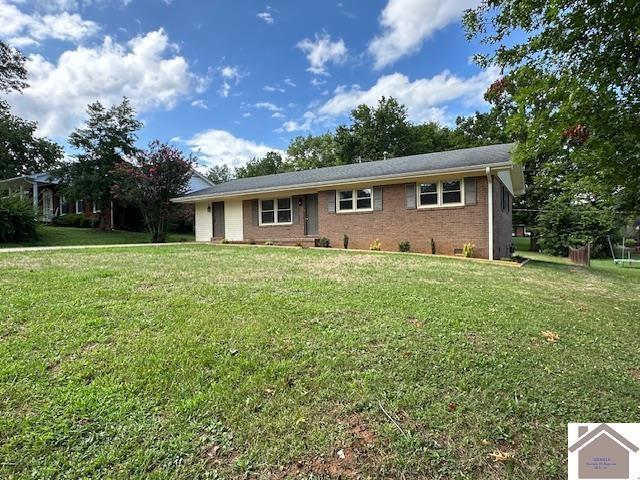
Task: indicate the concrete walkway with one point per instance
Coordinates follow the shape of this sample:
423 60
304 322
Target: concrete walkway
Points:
80 247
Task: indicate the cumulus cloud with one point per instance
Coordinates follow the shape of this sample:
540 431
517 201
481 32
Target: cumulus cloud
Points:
147 69
217 147
266 16
20 29
407 23
425 98
231 75
321 51
268 106
200 104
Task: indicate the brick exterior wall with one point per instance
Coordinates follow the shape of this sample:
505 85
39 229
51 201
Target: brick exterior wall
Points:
450 227
502 221
270 232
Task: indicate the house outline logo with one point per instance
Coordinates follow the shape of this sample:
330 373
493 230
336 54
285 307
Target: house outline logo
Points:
602 453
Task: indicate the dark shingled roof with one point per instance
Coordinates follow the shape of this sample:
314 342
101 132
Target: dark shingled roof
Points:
398 166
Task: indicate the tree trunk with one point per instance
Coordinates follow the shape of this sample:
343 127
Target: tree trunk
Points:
533 243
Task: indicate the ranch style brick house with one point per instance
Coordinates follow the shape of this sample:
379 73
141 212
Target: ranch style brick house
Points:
454 197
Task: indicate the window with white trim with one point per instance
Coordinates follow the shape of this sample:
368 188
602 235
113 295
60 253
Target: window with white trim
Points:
441 194
79 206
355 200
275 211
95 207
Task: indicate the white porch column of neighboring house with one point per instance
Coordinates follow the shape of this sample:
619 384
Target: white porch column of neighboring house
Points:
490 209
35 195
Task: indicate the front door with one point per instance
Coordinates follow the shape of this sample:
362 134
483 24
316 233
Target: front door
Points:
217 211
47 205
311 214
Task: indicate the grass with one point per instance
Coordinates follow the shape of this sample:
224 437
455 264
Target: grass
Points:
51 236
199 361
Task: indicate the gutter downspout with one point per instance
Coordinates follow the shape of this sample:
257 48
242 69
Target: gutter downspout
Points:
35 195
490 209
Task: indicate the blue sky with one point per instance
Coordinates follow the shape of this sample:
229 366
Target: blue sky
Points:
232 80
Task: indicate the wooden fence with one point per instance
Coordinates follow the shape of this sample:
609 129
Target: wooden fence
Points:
581 256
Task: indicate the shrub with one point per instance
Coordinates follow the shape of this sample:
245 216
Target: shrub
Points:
376 245
433 247
324 242
345 241
404 246
468 250
17 220
224 241
77 220
630 243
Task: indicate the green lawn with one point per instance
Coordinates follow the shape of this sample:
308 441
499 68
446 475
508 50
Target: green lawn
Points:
50 236
199 361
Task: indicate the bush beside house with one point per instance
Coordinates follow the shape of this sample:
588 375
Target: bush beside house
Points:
17 220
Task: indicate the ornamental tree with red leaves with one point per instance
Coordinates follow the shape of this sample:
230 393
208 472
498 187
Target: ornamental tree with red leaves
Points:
150 182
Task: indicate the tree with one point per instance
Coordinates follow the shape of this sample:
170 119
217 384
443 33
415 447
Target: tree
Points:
107 140
431 137
13 73
572 88
374 131
309 152
151 181
21 152
480 129
219 174
269 164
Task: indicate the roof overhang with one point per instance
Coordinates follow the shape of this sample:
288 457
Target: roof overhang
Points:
478 170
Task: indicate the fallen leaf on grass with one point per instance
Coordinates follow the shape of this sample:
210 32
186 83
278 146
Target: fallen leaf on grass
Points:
269 391
484 441
500 456
341 454
452 406
550 336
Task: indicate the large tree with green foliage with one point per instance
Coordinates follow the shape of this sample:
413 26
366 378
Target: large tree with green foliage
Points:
107 139
13 72
219 174
309 152
571 92
374 131
21 151
271 163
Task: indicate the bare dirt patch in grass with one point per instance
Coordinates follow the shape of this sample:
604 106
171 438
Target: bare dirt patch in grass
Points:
346 462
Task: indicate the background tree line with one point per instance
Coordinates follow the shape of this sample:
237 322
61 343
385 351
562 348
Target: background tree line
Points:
373 133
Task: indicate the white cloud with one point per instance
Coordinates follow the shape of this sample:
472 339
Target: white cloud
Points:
266 16
288 81
231 76
246 114
146 69
278 115
217 147
407 23
304 124
322 51
268 106
272 88
425 98
200 104
20 29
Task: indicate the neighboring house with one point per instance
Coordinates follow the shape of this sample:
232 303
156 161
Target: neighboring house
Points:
602 453
454 197
44 190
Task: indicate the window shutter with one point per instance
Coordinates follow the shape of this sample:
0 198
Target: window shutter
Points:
331 201
410 195
295 218
470 190
254 212
377 198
